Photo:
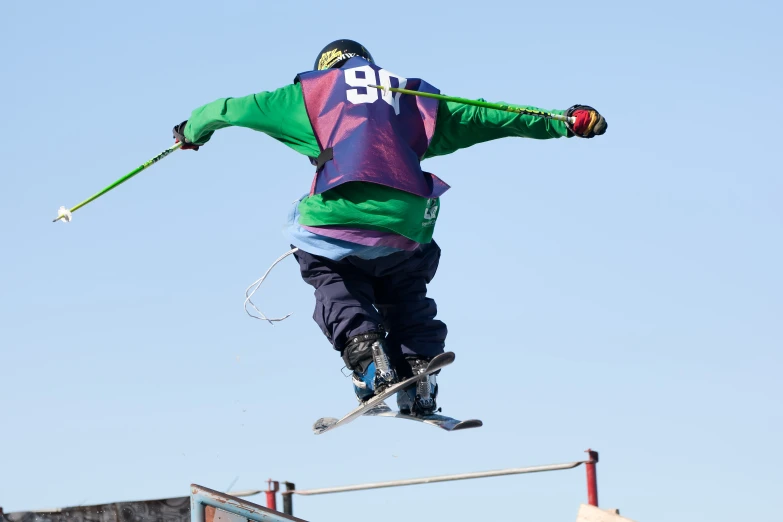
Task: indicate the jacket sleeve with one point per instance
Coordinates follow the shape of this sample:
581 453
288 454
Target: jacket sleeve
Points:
280 114
460 125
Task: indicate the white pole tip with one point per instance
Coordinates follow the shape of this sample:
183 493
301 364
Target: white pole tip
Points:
64 214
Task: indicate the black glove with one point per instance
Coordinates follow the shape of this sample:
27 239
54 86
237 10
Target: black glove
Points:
179 137
588 122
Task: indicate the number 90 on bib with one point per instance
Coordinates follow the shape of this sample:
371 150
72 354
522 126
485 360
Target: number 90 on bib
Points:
363 77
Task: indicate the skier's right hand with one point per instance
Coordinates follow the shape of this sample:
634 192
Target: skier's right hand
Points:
589 122
179 137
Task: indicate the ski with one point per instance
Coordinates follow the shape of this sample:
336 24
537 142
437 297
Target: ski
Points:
441 421
325 424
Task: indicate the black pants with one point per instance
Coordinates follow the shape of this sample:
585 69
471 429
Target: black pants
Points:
355 296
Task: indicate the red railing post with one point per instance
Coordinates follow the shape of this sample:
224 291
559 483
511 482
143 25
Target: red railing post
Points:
592 481
271 494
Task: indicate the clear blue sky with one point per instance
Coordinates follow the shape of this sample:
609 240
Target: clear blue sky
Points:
622 293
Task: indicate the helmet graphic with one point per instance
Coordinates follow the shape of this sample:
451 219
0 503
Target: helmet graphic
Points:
337 52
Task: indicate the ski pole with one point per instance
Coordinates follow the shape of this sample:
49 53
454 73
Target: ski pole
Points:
65 214
478 103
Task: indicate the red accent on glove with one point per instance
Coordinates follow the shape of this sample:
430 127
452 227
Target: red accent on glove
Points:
582 123
186 146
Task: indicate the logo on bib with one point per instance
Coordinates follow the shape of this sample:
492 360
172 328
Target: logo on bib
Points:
431 212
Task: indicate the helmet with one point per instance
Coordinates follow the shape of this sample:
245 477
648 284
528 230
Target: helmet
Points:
334 54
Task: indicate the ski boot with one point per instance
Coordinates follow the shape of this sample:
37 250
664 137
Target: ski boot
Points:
419 399
365 354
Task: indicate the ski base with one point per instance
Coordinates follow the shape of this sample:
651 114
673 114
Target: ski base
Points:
439 421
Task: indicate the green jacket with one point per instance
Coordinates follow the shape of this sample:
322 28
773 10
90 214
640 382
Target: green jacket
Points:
281 114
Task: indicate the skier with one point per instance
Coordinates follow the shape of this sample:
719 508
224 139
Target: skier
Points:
364 231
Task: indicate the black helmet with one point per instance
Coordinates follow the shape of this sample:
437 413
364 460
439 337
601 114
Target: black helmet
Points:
334 54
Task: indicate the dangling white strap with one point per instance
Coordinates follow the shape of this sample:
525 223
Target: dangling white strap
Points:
254 287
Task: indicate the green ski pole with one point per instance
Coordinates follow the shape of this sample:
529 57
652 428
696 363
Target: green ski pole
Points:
478 103
65 214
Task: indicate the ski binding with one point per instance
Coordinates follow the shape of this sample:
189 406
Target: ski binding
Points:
325 424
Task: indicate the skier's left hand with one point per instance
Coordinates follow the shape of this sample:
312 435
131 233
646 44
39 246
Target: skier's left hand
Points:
588 122
179 136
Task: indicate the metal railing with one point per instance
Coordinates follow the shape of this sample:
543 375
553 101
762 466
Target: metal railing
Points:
274 486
